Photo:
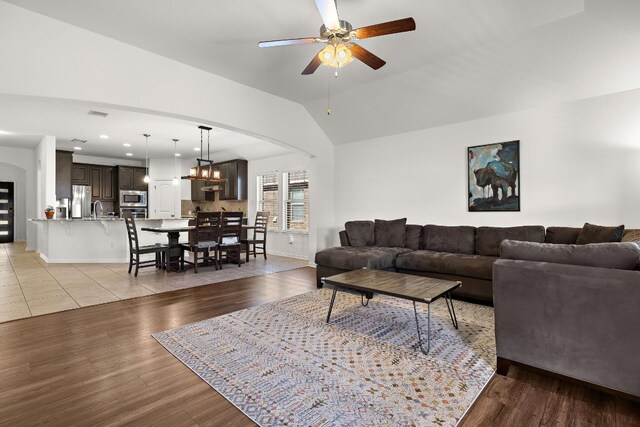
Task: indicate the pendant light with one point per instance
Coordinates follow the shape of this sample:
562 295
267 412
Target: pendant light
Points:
146 160
205 170
176 181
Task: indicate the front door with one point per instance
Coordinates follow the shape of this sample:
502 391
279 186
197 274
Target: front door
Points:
6 212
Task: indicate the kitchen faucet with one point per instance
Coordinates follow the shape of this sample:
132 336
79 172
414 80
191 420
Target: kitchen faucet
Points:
95 209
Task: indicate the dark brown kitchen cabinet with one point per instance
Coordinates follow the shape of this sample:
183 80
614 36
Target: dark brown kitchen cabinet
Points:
108 184
64 159
95 181
138 179
79 174
235 174
125 178
99 177
131 178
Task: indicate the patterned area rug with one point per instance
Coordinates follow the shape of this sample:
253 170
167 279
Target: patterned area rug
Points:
282 365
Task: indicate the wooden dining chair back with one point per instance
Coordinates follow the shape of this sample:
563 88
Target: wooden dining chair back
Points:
205 240
229 242
258 240
135 250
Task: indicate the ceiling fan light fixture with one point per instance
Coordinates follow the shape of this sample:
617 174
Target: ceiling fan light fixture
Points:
335 56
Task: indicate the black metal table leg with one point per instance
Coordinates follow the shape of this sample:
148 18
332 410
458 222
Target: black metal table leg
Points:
333 298
415 312
452 311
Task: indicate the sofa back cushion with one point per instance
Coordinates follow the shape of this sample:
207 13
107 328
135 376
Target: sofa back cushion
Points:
592 233
488 239
625 256
413 235
562 235
440 238
391 234
360 233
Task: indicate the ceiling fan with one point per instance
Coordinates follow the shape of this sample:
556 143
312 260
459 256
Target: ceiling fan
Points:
339 37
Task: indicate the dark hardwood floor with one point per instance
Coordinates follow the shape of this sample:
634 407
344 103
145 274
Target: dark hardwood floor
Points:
100 366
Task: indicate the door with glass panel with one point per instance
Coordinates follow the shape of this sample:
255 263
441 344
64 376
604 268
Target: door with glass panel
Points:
6 212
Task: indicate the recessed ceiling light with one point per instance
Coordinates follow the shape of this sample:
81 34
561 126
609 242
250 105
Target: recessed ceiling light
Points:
126 145
4 132
196 149
104 136
177 154
77 148
129 154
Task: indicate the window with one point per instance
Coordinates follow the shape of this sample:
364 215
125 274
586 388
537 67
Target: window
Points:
296 205
285 195
268 198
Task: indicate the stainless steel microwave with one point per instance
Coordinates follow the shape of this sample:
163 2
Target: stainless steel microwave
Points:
133 199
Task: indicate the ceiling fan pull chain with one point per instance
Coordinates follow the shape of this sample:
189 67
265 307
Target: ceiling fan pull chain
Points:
329 96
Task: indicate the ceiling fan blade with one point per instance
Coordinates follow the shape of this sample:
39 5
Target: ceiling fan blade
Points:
313 66
365 56
391 27
329 13
288 42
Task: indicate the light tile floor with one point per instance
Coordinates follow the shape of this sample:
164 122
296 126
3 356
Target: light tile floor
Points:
29 286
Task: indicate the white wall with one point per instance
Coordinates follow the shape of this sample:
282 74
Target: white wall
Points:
45 157
281 242
17 165
579 162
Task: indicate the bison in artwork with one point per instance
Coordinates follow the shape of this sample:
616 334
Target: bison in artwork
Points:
499 175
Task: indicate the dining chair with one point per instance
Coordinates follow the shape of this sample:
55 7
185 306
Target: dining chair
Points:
204 240
135 250
259 240
229 241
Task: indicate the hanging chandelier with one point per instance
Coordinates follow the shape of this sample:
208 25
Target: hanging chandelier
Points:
205 170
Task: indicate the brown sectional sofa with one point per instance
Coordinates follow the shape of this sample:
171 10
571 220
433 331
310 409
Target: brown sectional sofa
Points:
461 253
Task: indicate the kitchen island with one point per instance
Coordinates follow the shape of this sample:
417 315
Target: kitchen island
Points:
101 240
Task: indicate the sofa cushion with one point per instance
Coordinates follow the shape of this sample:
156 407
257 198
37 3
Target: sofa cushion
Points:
390 233
441 238
625 256
413 235
352 258
591 233
562 235
476 266
360 233
488 239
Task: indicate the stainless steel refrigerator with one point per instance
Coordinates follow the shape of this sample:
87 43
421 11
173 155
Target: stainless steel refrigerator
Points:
81 202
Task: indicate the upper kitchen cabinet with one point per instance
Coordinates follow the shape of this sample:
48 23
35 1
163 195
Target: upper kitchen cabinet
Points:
79 174
138 179
131 178
102 183
99 177
235 186
64 160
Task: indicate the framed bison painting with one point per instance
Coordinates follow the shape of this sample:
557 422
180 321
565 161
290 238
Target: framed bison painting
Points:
494 177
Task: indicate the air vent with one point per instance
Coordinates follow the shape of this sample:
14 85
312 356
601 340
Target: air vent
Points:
97 113
78 141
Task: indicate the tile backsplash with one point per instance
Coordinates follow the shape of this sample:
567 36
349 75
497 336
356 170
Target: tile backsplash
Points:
189 206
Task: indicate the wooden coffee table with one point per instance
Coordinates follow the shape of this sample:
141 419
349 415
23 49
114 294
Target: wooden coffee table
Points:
405 286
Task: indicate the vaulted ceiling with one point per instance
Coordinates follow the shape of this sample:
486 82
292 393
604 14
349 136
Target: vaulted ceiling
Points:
466 60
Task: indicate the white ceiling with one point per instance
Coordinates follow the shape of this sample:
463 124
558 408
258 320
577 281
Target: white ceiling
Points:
466 60
24 120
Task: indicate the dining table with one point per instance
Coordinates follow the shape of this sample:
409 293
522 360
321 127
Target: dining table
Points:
173 234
